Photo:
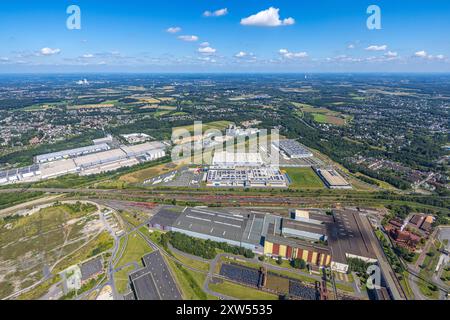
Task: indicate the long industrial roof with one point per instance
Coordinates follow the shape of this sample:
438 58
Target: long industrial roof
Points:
304 226
332 177
349 236
72 152
239 226
142 148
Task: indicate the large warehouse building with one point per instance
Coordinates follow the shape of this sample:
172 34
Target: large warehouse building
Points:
154 281
259 232
235 228
243 170
15 175
90 160
332 179
232 160
348 237
71 153
320 240
246 177
287 248
293 149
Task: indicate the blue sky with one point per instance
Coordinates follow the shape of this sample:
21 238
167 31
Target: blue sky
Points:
235 36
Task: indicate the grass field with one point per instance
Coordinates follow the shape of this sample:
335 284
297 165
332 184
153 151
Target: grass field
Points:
154 236
427 269
103 242
323 115
240 292
446 275
220 125
144 174
323 118
190 282
147 99
11 199
167 108
204 266
49 237
303 178
121 279
161 113
136 248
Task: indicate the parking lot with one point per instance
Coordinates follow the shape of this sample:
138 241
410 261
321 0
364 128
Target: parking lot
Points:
184 177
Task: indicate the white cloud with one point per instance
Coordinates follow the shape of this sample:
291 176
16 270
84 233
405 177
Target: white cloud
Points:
87 56
173 30
391 54
190 38
424 55
207 50
376 48
217 13
292 55
421 54
267 18
4 59
204 44
207 59
351 46
343 58
49 51
241 54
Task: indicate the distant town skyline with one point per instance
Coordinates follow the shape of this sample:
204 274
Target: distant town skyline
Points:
224 36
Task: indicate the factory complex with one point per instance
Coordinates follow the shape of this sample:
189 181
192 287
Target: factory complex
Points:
256 170
292 149
94 159
321 240
332 179
247 170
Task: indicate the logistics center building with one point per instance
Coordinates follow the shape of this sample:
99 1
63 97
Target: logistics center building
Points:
320 240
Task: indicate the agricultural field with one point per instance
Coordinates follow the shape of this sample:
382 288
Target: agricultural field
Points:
219 125
91 106
35 244
168 108
303 178
322 115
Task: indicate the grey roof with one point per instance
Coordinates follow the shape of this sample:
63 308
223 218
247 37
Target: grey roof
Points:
211 222
91 268
303 226
216 223
154 281
129 296
254 229
349 235
165 217
297 243
13 172
144 286
72 152
293 148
